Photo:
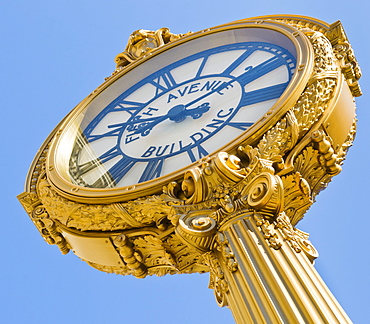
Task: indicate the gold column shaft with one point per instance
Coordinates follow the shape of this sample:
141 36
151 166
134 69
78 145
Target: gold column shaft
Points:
274 285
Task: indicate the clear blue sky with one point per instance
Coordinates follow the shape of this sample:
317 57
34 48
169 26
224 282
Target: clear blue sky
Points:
53 54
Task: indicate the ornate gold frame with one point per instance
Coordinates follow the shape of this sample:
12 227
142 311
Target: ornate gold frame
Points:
93 195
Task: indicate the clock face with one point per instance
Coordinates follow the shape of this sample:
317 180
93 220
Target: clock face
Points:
162 117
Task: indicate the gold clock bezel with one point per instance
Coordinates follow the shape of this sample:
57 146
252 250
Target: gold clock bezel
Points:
304 66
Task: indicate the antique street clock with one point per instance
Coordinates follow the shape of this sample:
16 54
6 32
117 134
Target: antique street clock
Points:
200 153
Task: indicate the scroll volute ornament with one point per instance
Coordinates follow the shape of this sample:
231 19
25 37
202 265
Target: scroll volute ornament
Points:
231 188
265 193
197 230
199 183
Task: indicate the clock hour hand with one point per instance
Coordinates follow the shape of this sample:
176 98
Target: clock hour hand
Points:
180 112
137 121
242 78
177 114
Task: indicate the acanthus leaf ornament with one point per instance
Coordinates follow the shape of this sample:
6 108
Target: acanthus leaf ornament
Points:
217 280
297 196
296 238
223 246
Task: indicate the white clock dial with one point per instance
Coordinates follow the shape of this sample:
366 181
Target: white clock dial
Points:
172 114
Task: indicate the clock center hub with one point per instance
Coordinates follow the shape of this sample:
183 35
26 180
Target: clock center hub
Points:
177 113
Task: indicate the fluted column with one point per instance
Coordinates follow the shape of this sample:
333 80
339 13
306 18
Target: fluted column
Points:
267 276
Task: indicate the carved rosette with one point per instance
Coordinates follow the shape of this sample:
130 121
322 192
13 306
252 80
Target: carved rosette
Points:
272 181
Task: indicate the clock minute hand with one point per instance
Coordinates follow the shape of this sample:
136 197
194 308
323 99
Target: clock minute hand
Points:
179 113
217 89
146 125
142 124
137 121
242 79
172 113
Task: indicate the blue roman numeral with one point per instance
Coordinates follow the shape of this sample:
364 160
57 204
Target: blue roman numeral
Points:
152 170
240 125
114 132
264 94
238 61
116 172
201 67
105 157
256 72
200 150
163 82
132 107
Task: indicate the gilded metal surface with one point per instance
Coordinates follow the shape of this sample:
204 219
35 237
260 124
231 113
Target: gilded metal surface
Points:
141 42
261 177
266 182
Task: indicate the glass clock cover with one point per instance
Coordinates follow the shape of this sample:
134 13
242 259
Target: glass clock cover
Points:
176 107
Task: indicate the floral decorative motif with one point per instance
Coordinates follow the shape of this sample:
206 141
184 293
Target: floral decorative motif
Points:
267 231
224 247
297 196
138 213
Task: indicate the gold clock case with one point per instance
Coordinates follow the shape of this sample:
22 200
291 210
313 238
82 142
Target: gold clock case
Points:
302 139
56 175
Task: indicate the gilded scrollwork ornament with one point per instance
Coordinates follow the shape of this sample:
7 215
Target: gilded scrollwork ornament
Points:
342 150
341 48
223 246
345 54
142 212
197 229
48 228
297 239
156 255
327 158
297 196
147 255
132 259
141 42
217 280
